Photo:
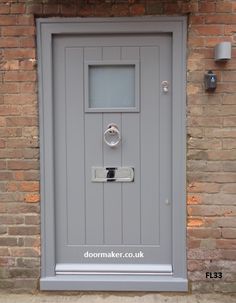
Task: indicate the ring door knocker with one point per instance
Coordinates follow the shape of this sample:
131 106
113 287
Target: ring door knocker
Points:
112 135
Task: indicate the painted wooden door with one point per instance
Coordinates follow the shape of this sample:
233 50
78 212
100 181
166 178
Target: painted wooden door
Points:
112 143
113 226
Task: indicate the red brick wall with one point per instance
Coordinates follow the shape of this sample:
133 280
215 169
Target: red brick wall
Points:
211 166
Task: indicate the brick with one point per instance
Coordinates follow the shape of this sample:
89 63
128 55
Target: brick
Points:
203 233
25 285
7 241
211 210
194 222
18 208
19 53
229 29
2 165
34 8
6 261
207 7
225 132
8 20
18 30
10 132
205 121
208 243
137 9
11 197
19 99
23 230
221 19
32 220
29 186
21 143
204 143
199 187
225 287
229 121
202 287
18 8
22 164
9 42
224 7
9 87
21 121
219 198
32 241
24 252
229 188
51 9
229 233
154 7
3 230
20 76
27 42
27 262
194 265
4 251
11 65
196 19
196 41
2 143
6 284
220 221
24 273
204 254
69 9
193 243
226 243
32 132
209 166
32 198
228 254
9 110
26 175
222 155
194 199
4 8
26 20
11 219
27 87
229 166
209 30
195 132
5 175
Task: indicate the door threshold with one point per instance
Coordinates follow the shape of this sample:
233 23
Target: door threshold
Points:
114 283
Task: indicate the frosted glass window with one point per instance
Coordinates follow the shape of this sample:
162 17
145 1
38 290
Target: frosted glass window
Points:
111 86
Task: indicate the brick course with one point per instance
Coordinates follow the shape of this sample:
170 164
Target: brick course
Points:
211 119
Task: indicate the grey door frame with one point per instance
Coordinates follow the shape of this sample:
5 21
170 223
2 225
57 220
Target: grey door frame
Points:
46 28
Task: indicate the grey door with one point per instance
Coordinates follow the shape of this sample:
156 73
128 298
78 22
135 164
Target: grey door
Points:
113 164
94 218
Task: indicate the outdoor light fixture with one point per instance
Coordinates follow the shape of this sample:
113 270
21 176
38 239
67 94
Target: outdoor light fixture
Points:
223 51
210 81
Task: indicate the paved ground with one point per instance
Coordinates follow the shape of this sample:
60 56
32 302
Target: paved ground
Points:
124 298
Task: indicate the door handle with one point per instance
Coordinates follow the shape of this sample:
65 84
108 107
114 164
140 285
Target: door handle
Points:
112 135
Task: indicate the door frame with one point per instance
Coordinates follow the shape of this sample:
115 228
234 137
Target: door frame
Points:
46 28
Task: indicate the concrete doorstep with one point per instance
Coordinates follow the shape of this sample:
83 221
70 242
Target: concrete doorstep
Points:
116 298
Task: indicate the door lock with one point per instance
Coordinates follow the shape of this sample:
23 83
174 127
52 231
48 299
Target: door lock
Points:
165 86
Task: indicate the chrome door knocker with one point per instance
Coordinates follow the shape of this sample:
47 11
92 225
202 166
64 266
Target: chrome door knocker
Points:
112 135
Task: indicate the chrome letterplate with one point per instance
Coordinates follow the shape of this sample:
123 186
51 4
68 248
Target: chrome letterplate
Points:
112 174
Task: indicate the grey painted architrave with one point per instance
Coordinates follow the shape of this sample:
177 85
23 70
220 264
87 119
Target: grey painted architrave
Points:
46 28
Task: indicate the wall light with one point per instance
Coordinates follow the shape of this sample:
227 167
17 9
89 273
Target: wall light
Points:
223 51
